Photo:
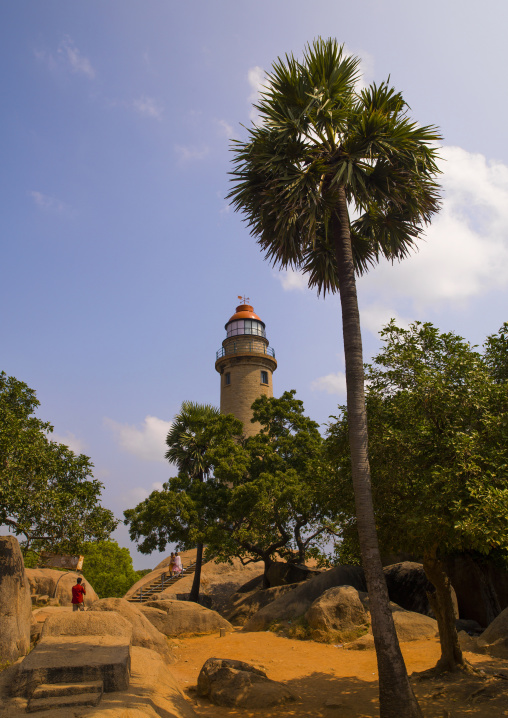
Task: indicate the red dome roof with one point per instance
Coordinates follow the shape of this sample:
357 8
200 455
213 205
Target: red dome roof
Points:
245 311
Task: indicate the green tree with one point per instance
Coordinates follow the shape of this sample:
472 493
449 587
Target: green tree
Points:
174 514
270 495
47 493
108 568
438 431
322 150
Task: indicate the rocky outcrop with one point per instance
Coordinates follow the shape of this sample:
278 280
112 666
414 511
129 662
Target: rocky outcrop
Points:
337 609
297 602
176 618
144 634
494 640
281 573
53 584
237 684
481 587
77 648
15 603
244 605
408 586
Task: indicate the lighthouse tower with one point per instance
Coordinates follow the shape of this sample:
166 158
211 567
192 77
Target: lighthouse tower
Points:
246 364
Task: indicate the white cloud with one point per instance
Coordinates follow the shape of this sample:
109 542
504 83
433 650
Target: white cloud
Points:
147 442
72 56
148 107
47 203
190 154
291 279
465 251
137 494
331 383
375 316
226 128
257 79
71 440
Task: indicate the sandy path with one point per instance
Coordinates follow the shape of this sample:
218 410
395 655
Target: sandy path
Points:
319 673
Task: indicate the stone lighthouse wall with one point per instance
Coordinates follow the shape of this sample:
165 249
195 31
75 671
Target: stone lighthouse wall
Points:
244 386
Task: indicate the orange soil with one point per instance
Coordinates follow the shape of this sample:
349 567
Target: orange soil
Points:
318 673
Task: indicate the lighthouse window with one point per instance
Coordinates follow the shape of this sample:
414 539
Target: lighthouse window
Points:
245 326
264 377
228 379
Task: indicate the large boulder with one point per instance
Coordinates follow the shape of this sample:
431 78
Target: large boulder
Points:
174 618
244 605
237 684
15 602
481 587
411 626
144 633
337 609
58 585
494 640
78 647
297 602
408 585
281 573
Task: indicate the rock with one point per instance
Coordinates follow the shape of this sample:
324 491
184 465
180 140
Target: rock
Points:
297 602
51 583
174 618
338 608
281 573
76 648
144 634
469 643
408 585
364 643
244 605
254 584
470 626
411 626
237 684
15 602
494 639
481 587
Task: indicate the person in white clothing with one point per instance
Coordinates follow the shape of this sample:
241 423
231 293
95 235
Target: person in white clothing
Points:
177 566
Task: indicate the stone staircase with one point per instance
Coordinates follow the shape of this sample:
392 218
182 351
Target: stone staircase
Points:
159 584
54 696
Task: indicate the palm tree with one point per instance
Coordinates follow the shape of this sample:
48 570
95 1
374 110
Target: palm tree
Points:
332 179
188 440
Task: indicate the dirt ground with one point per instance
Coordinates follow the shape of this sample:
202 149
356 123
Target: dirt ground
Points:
347 680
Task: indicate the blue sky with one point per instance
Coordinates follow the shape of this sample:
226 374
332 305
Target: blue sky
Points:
121 260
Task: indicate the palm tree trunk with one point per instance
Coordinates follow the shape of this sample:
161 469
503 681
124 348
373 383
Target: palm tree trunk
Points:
396 697
442 605
194 594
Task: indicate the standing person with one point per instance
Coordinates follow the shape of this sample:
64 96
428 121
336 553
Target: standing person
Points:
178 564
171 564
78 591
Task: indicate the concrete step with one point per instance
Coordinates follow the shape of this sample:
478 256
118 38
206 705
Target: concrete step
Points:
53 703
47 690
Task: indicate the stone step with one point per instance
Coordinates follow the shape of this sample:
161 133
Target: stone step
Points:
66 701
47 690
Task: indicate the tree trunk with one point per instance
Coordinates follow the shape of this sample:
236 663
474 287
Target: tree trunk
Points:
442 604
194 594
268 562
396 697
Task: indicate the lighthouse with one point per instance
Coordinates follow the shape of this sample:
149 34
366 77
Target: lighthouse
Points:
246 364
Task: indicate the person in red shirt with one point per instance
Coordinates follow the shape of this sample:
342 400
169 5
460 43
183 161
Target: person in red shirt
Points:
78 591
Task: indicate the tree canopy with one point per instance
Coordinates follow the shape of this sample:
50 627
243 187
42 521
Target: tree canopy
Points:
268 495
438 429
47 493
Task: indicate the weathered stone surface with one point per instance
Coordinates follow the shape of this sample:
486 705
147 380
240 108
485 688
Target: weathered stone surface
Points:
57 584
410 626
297 602
174 618
337 609
15 602
408 585
281 573
364 643
494 640
481 587
244 605
53 697
86 623
144 634
75 659
237 684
